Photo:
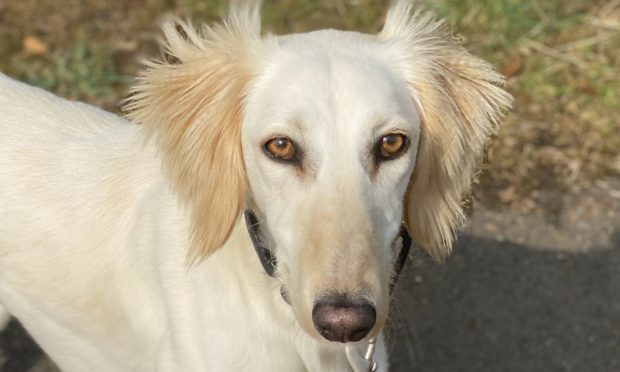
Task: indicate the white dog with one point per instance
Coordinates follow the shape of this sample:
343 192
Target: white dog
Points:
123 246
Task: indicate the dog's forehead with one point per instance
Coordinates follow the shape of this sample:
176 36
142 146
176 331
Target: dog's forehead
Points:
328 40
333 59
327 74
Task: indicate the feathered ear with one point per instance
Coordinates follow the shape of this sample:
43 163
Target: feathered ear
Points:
190 104
460 101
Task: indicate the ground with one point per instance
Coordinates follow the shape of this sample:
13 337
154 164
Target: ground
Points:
534 281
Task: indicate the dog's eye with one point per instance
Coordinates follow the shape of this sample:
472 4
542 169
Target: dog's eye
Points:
391 146
280 148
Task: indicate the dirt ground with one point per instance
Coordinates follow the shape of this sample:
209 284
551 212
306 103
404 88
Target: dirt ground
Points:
520 293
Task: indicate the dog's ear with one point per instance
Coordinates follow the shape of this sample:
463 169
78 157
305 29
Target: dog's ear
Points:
190 104
460 100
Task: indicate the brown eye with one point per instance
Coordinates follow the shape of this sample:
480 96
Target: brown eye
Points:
280 148
391 146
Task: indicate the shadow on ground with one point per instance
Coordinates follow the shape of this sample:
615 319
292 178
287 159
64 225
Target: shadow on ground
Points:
505 307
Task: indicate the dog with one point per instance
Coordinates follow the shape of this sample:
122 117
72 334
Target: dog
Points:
123 245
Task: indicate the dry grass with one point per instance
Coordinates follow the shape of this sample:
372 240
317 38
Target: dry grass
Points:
562 60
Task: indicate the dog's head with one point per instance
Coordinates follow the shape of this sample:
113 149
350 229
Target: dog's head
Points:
333 138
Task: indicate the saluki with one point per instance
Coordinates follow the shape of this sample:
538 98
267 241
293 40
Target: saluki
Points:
247 214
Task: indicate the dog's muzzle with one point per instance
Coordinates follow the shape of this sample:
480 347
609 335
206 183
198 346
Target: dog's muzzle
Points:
336 321
269 261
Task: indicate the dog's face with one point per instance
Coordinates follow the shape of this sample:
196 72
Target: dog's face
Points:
333 139
329 140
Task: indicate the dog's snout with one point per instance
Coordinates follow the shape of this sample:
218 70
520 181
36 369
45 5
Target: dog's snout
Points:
339 319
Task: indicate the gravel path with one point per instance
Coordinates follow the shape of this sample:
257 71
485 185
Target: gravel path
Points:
520 293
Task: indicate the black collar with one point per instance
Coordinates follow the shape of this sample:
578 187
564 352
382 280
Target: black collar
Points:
269 261
403 254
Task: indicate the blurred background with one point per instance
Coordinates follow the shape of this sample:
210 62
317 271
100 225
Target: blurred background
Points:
534 282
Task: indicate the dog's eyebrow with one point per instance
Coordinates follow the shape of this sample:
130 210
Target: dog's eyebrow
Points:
292 128
390 126
299 124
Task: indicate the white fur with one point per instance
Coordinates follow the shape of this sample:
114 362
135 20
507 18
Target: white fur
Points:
92 251
98 223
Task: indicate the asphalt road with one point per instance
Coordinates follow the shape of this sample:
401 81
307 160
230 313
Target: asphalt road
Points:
505 307
522 293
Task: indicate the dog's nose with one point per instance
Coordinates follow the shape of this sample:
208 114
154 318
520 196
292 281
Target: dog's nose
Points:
341 319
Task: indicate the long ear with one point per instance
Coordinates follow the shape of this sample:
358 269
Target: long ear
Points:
190 104
460 101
